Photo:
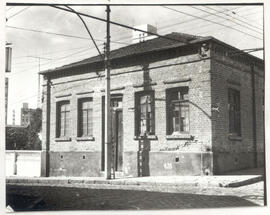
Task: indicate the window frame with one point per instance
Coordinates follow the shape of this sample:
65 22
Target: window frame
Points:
137 126
67 130
80 131
169 118
235 125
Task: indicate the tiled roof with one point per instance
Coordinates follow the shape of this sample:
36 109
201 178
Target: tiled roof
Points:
160 43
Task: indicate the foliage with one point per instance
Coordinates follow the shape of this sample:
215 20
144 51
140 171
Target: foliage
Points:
25 138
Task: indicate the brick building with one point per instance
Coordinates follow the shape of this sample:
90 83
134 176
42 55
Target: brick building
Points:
198 100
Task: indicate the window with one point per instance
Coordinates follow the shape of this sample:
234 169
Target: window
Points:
63 119
177 110
234 112
116 101
85 117
145 113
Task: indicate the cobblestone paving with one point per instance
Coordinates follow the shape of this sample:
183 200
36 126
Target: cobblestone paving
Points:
105 197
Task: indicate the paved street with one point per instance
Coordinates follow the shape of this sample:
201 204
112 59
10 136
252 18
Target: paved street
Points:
105 197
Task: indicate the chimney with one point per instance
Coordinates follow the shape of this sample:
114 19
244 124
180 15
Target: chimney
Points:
138 36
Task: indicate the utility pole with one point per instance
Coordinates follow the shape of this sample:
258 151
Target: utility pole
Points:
38 98
108 134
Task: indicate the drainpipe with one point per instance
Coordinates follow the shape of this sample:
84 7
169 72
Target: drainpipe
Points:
45 169
48 120
254 114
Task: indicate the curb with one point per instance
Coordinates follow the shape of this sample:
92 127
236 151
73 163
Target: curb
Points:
70 181
245 182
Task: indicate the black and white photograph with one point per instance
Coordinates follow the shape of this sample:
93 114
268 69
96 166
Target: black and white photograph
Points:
137 106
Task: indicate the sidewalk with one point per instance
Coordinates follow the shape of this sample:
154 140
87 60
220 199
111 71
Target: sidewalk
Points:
227 180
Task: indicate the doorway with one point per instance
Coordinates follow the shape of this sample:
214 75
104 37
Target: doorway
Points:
117 132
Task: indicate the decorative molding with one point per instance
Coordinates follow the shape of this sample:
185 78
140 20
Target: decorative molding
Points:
62 139
114 89
90 138
64 95
82 93
144 84
177 81
179 137
148 137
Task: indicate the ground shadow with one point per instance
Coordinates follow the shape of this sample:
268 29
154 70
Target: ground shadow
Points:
42 198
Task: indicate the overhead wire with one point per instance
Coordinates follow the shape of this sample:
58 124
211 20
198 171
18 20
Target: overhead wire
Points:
239 52
186 22
58 34
87 38
10 8
167 26
118 24
121 43
259 32
170 25
18 12
88 31
248 23
51 52
203 32
214 22
42 64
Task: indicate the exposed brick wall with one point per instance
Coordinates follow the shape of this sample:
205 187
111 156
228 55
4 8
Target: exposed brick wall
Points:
238 153
208 87
199 107
176 68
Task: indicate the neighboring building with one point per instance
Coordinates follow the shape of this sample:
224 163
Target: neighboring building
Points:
6 97
138 36
8 70
199 101
26 114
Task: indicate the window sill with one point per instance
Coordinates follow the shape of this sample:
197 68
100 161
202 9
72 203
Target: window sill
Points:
234 137
179 137
148 137
89 138
62 139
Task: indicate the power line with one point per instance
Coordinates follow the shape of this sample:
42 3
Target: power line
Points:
162 27
241 16
174 24
58 34
178 11
215 30
116 23
187 21
238 52
185 29
28 69
52 52
248 23
88 31
191 20
18 12
226 19
45 54
10 8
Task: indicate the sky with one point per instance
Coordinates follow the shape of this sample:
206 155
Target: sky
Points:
238 25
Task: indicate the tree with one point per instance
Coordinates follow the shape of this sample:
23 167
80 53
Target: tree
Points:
25 138
16 138
34 128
